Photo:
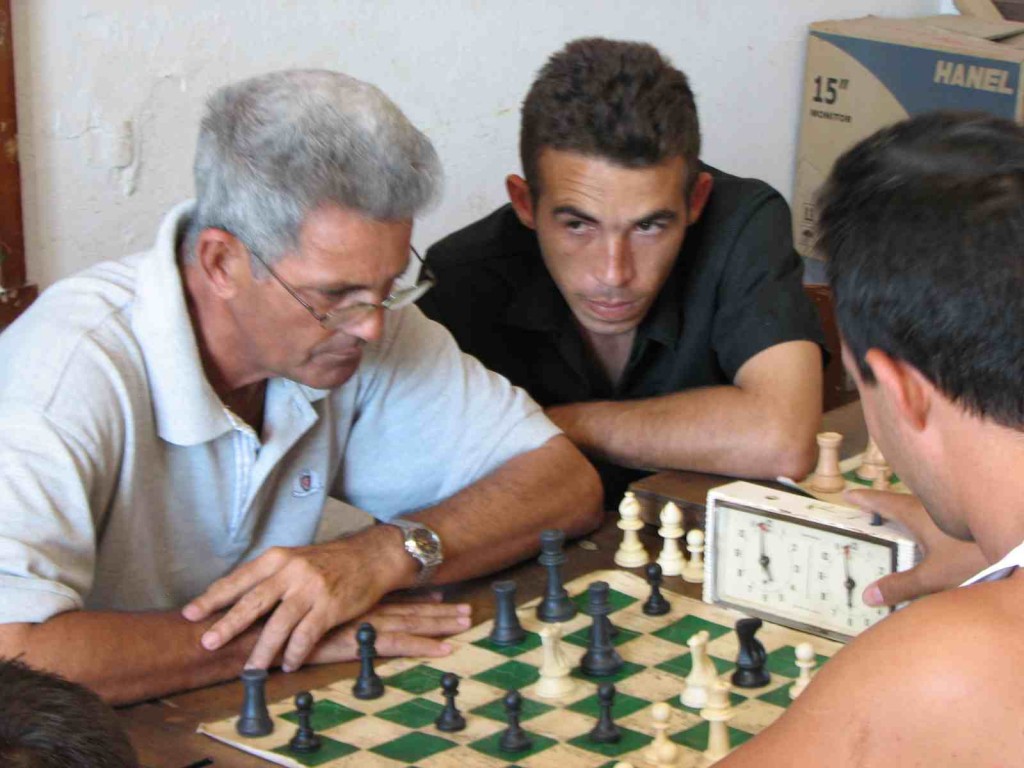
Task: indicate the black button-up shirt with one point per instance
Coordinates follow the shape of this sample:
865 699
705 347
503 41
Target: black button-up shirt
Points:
734 291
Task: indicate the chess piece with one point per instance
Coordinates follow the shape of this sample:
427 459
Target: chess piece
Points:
305 741
827 478
601 658
368 684
655 604
750 662
693 571
666 755
882 477
254 719
450 720
631 553
702 672
605 731
871 460
555 607
554 680
671 557
506 629
717 713
660 714
514 738
805 661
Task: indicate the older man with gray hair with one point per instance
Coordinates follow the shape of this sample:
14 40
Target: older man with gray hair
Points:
178 419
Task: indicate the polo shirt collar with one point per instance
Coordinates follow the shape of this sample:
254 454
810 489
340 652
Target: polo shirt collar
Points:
186 407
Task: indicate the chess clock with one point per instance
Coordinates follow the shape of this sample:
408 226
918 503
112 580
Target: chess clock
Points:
797 561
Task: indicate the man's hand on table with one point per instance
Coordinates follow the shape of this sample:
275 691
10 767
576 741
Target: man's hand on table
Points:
947 562
403 629
306 592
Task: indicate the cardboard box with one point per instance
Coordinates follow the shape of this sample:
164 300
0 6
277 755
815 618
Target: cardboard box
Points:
863 74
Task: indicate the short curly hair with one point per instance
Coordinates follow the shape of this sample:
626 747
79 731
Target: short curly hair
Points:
49 722
620 101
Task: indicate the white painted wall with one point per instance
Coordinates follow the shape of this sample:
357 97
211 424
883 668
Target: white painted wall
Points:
110 91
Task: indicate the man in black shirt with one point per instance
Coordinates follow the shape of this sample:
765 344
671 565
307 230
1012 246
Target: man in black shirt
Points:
652 304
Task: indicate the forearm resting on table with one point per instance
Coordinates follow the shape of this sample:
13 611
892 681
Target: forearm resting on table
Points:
125 657
763 426
496 522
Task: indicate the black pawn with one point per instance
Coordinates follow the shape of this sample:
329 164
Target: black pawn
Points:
750 662
254 719
450 719
656 604
368 685
555 607
514 738
506 630
601 658
305 739
606 731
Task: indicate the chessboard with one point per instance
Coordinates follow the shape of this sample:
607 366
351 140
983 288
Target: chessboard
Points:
398 728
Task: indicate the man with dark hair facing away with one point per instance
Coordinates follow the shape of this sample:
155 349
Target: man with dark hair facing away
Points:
49 722
651 303
922 225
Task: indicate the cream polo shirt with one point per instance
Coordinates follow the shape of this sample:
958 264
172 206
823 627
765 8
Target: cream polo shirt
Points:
125 484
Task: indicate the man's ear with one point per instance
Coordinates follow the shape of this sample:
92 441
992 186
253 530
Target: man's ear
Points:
521 198
699 195
908 392
223 261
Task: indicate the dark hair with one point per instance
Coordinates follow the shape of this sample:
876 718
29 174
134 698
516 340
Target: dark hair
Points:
615 100
922 225
49 722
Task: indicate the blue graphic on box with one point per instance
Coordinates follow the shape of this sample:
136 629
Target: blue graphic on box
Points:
922 80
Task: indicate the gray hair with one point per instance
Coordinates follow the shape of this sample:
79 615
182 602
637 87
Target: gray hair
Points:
275 147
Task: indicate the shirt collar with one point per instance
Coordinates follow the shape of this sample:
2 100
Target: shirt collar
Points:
186 407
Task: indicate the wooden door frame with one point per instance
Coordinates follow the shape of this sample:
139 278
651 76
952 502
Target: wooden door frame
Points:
15 291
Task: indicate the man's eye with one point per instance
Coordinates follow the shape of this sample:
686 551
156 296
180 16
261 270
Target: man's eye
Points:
650 226
575 225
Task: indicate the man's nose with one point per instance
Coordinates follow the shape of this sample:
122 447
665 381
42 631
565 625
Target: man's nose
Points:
368 328
618 268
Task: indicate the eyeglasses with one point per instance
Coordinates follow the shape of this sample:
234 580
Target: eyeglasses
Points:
354 314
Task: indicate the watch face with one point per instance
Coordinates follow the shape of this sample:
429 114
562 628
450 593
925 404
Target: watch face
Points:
810 574
424 541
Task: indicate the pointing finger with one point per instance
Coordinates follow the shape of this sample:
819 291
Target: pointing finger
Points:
276 633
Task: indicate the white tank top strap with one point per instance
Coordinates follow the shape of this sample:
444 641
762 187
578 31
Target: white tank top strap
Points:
1001 570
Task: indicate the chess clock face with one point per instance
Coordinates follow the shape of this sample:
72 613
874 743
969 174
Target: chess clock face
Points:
806 572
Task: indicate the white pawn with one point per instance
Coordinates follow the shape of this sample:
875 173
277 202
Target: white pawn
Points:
882 477
666 755
827 477
702 672
718 713
804 660
693 571
671 557
554 680
631 553
660 714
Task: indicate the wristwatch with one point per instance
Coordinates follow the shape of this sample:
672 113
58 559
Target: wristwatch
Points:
423 544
